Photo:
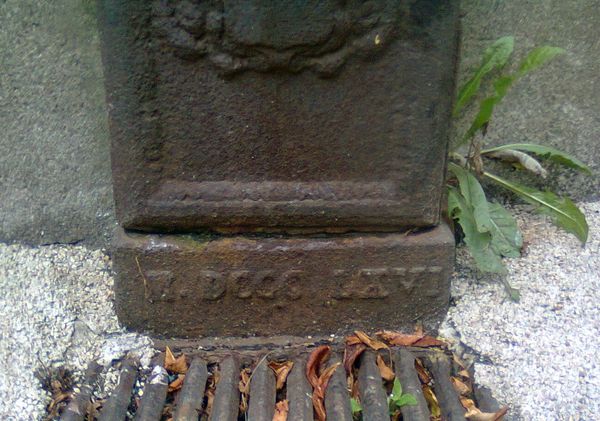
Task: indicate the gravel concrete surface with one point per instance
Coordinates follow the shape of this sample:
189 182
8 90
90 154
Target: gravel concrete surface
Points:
539 356
55 309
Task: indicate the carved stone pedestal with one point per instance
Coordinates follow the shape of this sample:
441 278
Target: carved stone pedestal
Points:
315 132
181 285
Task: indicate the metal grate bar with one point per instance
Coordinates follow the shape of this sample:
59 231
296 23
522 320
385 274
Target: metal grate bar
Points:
227 395
262 393
155 394
440 368
299 392
77 408
337 400
115 408
370 386
405 372
192 393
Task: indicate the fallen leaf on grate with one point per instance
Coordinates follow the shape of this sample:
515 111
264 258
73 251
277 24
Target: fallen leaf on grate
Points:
367 340
462 388
386 372
319 378
429 341
316 358
175 365
422 372
281 410
417 339
397 338
211 386
475 414
432 402
244 387
177 383
58 382
281 369
351 353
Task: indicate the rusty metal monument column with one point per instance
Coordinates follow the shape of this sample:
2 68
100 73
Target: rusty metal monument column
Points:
278 166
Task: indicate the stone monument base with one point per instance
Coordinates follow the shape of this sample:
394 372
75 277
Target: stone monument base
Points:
190 286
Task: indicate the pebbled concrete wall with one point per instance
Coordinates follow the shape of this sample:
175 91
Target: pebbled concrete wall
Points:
55 181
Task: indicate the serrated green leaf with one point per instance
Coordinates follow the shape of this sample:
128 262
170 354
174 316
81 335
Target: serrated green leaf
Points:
355 406
563 212
478 243
545 152
506 237
502 84
486 107
397 400
467 92
483 117
396 389
495 56
406 399
538 57
474 195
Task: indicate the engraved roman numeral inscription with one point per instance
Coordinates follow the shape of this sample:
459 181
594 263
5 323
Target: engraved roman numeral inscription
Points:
211 285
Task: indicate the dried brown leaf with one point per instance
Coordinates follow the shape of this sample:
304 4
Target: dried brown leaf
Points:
318 397
316 358
353 387
423 374
319 379
460 387
244 384
429 341
169 357
476 415
432 402
216 377
327 373
56 402
175 365
167 413
210 398
397 338
352 340
281 410
467 403
244 388
351 353
464 374
281 369
319 406
370 342
210 392
177 383
459 362
386 372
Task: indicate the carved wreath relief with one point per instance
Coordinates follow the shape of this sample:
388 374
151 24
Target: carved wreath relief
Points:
290 35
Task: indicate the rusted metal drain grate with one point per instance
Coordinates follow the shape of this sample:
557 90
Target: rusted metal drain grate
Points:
211 388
